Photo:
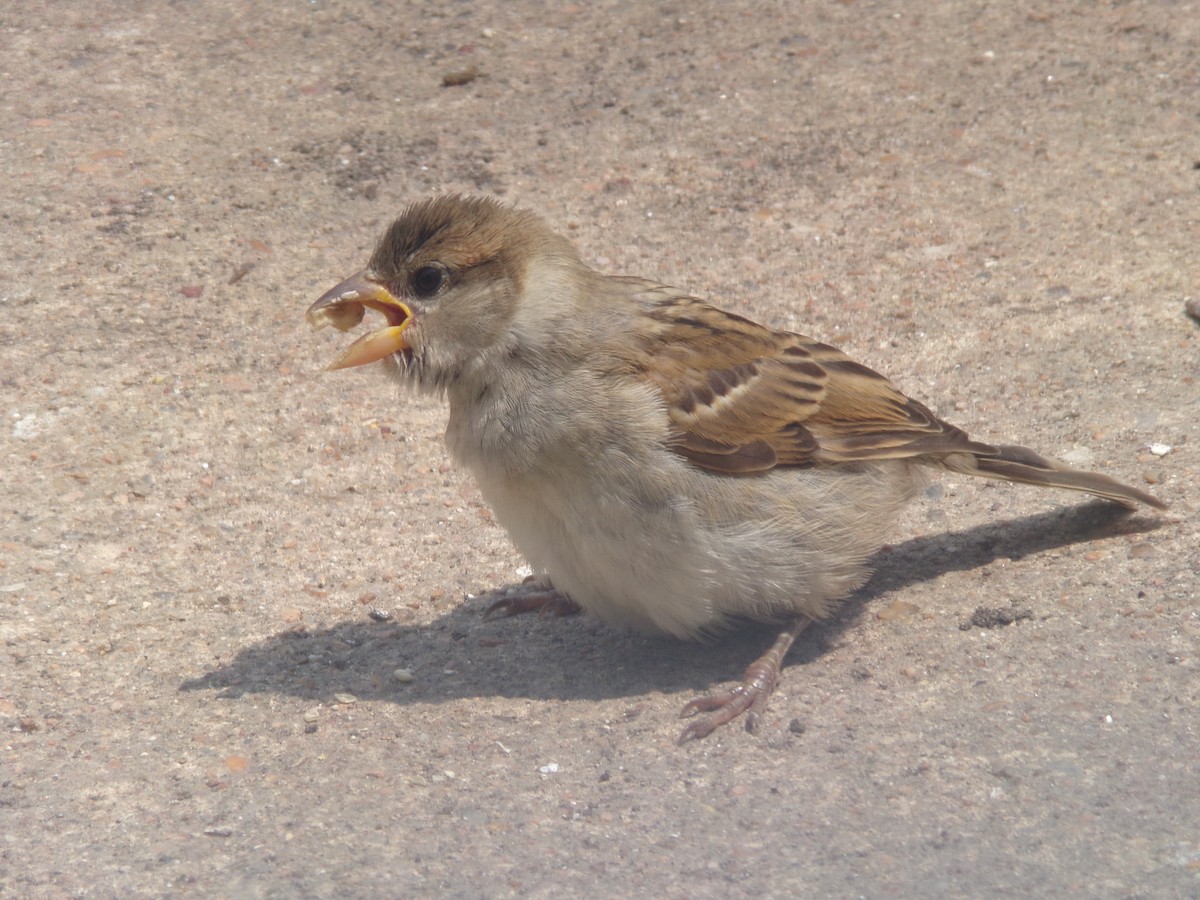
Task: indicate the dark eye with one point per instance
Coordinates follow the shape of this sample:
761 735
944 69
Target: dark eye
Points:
427 280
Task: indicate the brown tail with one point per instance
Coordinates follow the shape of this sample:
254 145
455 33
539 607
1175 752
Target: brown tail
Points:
1020 464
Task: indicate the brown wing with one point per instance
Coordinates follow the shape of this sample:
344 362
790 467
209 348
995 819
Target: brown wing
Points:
744 399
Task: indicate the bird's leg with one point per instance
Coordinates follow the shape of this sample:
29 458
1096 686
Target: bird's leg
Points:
752 694
533 596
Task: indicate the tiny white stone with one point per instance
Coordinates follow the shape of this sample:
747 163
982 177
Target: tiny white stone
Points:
27 428
1161 449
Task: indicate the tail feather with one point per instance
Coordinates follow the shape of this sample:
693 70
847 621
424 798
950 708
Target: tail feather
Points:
1020 464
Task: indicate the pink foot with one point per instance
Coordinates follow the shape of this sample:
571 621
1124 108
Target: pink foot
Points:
533 596
750 697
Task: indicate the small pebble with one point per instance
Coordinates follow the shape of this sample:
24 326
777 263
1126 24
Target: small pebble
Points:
1192 305
1160 449
345 699
548 768
988 617
403 675
311 715
456 79
241 272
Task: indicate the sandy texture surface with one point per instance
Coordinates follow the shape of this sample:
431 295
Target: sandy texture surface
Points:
995 204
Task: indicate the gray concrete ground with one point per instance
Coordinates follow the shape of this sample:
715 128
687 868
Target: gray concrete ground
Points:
995 204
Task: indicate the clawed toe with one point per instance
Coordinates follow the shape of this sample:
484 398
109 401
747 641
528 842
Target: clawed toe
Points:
722 708
749 697
531 597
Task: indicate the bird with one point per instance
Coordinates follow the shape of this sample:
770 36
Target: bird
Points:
662 463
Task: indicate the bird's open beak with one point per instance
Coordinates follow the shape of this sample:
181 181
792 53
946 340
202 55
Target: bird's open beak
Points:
343 307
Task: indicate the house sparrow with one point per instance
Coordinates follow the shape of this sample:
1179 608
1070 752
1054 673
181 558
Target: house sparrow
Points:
663 463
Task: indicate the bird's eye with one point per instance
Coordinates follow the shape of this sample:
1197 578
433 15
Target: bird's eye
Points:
427 280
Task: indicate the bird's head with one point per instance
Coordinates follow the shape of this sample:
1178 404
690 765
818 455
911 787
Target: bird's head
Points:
461 283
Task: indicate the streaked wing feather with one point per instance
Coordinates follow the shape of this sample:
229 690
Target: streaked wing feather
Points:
743 399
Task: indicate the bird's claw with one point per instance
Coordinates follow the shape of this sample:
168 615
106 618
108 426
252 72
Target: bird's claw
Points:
750 698
543 601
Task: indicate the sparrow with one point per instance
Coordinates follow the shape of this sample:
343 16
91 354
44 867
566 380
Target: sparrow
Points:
662 463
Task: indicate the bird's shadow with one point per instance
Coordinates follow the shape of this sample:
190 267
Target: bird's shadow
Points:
464 655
